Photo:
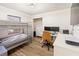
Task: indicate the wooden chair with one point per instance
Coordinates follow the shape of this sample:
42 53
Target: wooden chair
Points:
47 40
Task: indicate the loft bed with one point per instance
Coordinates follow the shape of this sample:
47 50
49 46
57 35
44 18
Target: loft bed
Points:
13 34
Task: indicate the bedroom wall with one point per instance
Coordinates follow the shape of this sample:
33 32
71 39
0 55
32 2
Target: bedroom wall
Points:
4 11
25 18
59 18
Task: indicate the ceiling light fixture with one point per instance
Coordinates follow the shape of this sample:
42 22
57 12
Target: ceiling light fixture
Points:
31 5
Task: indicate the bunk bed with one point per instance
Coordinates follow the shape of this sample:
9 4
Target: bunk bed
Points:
13 34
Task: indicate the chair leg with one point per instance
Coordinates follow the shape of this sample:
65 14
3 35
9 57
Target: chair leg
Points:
48 45
48 48
42 46
52 46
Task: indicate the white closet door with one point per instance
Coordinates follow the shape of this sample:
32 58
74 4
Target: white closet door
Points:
38 27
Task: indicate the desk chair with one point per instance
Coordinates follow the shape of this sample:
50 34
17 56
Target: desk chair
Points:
47 40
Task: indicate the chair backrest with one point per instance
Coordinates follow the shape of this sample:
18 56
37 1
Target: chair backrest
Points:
46 36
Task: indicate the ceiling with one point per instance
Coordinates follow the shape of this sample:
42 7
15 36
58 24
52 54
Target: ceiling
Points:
36 8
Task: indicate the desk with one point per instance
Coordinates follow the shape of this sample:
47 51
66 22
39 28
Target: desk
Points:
63 49
54 36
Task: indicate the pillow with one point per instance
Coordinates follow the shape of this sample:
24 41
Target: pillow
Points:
13 31
10 31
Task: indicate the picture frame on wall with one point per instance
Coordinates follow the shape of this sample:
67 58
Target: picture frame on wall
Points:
14 18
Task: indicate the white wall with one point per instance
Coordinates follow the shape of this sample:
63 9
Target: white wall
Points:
59 18
4 11
7 11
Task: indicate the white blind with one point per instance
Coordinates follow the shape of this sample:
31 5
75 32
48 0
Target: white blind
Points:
14 18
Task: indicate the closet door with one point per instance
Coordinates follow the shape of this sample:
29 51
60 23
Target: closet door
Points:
38 26
75 14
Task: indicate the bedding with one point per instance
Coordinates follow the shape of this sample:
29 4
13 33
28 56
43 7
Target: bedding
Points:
6 32
7 42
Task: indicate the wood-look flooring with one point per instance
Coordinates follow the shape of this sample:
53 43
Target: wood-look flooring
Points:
31 49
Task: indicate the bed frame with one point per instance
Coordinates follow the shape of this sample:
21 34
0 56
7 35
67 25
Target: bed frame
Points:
23 28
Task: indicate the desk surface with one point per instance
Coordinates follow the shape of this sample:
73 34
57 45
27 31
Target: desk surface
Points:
60 41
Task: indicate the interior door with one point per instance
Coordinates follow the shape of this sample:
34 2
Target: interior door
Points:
38 26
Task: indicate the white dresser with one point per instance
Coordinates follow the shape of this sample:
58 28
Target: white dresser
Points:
63 49
3 51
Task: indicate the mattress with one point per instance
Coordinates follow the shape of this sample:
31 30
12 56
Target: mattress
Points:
72 41
13 40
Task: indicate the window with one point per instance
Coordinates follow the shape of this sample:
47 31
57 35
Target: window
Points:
14 18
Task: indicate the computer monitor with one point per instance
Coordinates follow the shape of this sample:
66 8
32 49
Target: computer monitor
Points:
56 29
47 28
